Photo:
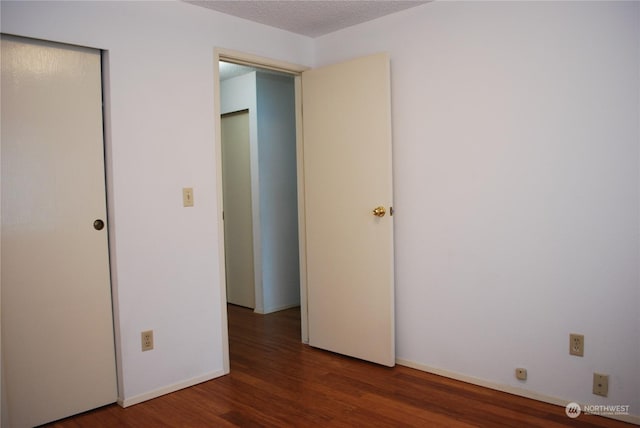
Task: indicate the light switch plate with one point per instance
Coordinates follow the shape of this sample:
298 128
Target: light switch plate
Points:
187 196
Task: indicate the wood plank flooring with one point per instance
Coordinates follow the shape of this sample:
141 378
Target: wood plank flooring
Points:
276 381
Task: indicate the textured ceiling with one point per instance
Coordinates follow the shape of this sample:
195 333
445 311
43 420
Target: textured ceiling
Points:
311 18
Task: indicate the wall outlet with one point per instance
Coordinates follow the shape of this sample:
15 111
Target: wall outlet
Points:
521 374
147 340
600 384
576 344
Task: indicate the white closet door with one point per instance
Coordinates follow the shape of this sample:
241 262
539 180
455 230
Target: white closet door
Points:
57 322
238 219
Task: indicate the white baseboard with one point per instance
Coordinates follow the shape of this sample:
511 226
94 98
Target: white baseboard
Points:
506 388
279 308
126 402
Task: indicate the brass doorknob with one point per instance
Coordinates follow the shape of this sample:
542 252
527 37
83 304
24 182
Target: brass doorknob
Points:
379 211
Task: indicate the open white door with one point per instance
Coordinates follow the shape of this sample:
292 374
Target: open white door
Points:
347 174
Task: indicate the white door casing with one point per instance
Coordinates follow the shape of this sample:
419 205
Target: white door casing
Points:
347 174
57 322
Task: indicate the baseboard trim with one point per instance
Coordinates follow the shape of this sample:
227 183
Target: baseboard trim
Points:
280 308
126 402
506 388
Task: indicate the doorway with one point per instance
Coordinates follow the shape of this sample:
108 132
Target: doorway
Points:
341 212
260 196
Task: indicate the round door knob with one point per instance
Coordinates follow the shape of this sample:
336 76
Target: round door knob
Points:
98 224
379 211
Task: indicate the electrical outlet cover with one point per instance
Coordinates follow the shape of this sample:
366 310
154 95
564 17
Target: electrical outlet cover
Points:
521 374
576 344
146 338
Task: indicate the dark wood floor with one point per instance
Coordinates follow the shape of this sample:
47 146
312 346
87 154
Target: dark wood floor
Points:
276 381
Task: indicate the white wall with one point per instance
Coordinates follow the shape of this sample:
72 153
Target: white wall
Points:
516 136
516 182
161 138
278 191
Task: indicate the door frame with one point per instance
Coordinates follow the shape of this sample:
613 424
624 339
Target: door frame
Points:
295 70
